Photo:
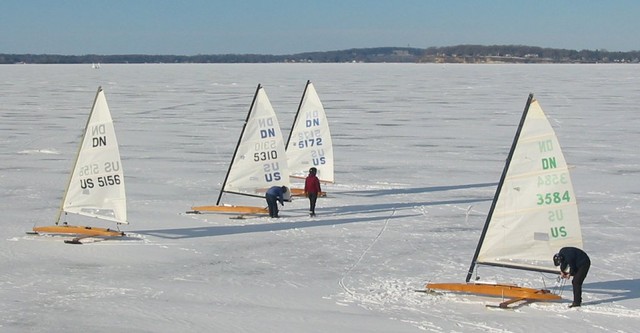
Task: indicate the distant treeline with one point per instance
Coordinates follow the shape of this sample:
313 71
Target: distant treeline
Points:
448 54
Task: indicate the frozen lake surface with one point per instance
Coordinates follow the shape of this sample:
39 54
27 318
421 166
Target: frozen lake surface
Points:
419 151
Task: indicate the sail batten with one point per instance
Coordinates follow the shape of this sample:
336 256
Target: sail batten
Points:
558 171
521 211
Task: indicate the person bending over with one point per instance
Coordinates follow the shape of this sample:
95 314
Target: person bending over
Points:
578 263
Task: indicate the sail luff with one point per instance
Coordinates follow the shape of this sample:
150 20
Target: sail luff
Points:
500 184
235 152
75 163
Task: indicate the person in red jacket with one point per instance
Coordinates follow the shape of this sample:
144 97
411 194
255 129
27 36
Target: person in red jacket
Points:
312 190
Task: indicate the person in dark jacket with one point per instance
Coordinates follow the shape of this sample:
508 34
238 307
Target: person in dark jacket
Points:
312 190
578 263
274 195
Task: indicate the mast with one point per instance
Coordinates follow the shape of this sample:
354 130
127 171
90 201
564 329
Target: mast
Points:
497 194
295 119
238 144
73 168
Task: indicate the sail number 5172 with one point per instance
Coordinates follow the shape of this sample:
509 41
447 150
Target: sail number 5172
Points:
310 143
553 198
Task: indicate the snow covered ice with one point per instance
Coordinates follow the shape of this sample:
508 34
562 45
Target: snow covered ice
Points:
419 149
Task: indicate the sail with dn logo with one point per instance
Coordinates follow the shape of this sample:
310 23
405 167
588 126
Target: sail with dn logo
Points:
96 185
258 162
533 215
310 144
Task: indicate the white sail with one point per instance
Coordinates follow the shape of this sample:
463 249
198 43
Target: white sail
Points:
260 160
535 211
96 186
310 142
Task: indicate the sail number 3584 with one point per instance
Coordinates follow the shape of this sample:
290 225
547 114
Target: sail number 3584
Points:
553 198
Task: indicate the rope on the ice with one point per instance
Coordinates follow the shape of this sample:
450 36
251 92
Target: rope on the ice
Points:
559 282
562 282
384 227
466 214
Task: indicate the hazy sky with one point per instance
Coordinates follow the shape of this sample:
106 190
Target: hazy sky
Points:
190 27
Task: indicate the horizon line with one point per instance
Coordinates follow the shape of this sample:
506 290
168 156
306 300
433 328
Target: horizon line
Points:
327 51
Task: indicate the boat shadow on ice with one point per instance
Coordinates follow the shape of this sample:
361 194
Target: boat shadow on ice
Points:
613 291
333 216
391 206
415 190
211 231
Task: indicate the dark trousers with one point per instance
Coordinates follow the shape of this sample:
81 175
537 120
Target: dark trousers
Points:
272 202
313 197
578 279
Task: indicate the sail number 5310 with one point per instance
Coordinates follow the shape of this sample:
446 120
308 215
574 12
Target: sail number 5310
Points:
553 198
265 156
